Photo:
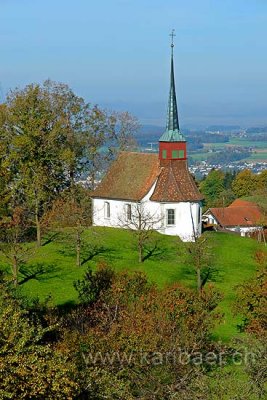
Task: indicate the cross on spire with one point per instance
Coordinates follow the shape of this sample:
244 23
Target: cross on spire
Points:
172 35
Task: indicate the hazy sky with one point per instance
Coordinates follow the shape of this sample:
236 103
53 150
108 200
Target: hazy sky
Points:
116 53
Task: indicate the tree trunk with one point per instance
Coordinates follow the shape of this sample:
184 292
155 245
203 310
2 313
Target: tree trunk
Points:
140 253
199 280
15 270
78 248
38 224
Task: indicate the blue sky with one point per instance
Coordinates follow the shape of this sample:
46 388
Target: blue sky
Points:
116 53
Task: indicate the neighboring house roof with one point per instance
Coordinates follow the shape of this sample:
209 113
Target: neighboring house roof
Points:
237 216
175 183
242 203
132 175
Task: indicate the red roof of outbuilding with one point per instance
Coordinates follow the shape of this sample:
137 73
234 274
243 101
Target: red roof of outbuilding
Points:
237 216
242 203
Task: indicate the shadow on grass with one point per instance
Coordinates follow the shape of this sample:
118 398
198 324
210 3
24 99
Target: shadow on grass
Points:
155 251
159 250
50 238
88 253
209 274
39 272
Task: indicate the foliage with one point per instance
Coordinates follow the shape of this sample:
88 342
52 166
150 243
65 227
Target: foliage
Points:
29 367
13 235
93 284
252 301
49 138
199 255
132 328
72 209
212 186
245 183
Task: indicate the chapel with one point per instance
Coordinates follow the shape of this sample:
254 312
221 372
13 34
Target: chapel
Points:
152 191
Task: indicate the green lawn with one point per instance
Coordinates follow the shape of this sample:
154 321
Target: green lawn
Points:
233 260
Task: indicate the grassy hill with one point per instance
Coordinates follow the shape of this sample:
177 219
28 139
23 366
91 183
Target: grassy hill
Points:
52 270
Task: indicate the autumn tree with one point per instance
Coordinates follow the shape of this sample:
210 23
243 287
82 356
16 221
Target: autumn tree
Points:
125 126
71 210
13 235
137 333
262 181
199 255
245 183
43 128
107 133
252 302
31 368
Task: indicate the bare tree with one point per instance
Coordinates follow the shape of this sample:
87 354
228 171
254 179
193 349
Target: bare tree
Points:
71 210
142 223
199 254
13 241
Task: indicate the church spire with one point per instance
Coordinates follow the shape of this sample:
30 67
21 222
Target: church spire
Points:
172 144
172 132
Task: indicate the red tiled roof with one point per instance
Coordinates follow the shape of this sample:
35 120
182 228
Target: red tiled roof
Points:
175 183
237 216
242 203
132 175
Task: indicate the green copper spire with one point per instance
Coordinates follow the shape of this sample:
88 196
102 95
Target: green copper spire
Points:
172 132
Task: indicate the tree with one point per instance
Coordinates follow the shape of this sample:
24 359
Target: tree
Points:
49 138
252 302
142 223
139 334
106 135
245 183
262 181
199 255
14 230
71 210
43 128
212 186
125 126
31 368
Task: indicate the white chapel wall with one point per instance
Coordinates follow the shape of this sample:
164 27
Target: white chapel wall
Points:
188 221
